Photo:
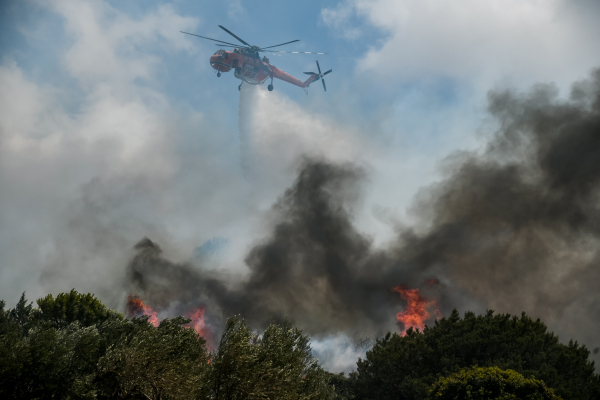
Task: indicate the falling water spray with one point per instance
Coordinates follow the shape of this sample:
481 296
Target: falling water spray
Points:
245 119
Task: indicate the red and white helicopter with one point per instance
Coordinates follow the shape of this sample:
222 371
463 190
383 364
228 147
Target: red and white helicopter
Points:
250 68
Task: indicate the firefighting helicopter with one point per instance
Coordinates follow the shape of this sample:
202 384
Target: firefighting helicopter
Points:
250 68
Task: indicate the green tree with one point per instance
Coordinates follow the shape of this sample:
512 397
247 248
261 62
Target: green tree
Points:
141 360
19 318
38 361
67 308
287 369
405 367
342 385
278 365
48 363
490 384
13 354
42 358
233 364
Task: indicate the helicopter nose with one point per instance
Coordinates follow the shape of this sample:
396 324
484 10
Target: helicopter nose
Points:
219 63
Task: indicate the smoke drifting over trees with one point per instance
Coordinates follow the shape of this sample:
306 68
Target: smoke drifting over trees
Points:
518 226
514 228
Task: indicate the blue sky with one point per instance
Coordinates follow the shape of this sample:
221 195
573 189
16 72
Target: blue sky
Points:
113 126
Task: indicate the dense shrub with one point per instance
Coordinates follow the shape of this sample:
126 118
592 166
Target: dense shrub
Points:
73 347
490 384
406 367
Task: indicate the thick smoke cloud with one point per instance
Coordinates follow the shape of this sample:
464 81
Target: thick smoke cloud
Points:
315 268
518 227
514 229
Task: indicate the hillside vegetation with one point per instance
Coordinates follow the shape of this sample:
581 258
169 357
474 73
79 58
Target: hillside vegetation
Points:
73 347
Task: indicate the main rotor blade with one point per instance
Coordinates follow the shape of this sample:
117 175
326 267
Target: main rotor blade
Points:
318 66
249 48
297 52
324 87
214 40
232 34
233 45
275 54
277 45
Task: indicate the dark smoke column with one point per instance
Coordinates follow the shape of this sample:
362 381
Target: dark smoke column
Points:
518 227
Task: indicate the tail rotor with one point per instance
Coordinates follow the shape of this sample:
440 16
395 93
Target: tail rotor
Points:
320 75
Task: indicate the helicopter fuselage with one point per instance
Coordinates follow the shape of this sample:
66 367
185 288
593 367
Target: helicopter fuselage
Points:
249 68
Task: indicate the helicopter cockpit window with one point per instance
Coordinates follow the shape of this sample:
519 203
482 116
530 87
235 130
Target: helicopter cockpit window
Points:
219 52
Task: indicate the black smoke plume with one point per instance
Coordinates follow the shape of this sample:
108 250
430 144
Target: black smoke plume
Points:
315 268
515 228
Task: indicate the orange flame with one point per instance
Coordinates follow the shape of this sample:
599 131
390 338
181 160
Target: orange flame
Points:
416 312
136 308
197 323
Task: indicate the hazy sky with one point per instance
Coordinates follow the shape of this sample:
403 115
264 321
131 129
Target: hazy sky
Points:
113 125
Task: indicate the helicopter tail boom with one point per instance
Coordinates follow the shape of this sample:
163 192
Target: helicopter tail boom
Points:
279 74
311 79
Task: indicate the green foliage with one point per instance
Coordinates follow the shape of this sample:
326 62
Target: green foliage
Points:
406 367
342 385
151 362
490 384
278 365
12 351
73 347
112 358
232 365
67 308
287 367
47 363
19 318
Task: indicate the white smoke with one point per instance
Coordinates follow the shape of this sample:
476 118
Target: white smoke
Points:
339 353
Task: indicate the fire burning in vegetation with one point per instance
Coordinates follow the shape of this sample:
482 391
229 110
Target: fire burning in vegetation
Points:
416 312
198 323
137 308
